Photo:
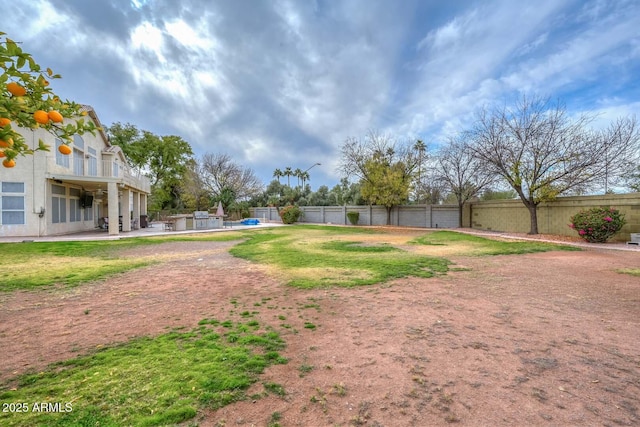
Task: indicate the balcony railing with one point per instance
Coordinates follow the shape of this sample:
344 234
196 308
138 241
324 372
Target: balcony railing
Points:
89 166
133 178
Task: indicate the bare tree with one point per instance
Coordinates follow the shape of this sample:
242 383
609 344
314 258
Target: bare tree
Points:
220 174
463 174
541 152
192 188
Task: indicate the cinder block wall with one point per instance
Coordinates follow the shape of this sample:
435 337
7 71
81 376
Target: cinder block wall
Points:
553 217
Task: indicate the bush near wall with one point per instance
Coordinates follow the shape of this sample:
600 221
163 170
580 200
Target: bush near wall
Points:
290 214
597 225
353 217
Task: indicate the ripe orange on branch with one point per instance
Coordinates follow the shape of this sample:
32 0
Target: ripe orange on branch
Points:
6 143
55 116
15 89
41 117
64 149
8 163
4 121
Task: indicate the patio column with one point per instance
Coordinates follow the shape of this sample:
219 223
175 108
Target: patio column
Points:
144 199
126 209
112 213
136 208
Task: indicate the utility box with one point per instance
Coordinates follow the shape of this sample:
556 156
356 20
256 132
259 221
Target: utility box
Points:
635 239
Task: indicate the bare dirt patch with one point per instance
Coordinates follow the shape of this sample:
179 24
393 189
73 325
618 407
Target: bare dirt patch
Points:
541 339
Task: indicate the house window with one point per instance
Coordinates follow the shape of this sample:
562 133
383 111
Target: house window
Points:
78 155
92 164
12 200
115 169
88 213
61 159
75 214
78 142
58 204
78 162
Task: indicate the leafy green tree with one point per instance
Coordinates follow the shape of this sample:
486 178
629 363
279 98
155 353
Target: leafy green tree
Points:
27 101
346 193
163 159
128 138
384 167
320 197
386 184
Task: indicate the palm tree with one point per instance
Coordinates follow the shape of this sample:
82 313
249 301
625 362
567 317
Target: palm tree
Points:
278 174
421 148
304 176
298 174
288 172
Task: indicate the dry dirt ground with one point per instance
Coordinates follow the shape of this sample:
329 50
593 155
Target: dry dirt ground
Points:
546 339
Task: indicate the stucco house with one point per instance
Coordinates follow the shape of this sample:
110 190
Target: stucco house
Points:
51 194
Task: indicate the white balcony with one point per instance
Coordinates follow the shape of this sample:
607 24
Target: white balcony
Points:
89 169
133 178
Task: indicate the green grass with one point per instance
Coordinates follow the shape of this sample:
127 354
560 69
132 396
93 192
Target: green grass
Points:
475 245
35 265
631 271
149 381
320 256
316 256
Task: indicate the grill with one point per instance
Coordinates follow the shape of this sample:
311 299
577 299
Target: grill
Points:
201 219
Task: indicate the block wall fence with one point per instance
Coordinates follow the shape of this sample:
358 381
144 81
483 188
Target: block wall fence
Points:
553 217
426 216
495 215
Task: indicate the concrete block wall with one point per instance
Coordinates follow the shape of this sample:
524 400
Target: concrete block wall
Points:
428 216
553 217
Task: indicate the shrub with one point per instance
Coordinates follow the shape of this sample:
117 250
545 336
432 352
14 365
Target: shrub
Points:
353 217
290 214
597 225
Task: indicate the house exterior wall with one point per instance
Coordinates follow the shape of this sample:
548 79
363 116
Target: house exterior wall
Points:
29 170
91 167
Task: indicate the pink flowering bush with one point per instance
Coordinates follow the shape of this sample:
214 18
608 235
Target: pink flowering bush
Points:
597 225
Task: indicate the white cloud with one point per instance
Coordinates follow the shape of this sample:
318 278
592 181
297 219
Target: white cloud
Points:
286 82
146 37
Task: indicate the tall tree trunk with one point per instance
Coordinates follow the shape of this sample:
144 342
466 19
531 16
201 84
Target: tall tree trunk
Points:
388 215
460 209
533 213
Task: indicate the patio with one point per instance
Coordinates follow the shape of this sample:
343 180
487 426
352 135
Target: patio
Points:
155 228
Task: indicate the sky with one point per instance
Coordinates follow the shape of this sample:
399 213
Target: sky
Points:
283 83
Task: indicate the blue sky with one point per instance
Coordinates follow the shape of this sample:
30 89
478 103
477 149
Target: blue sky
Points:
284 83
